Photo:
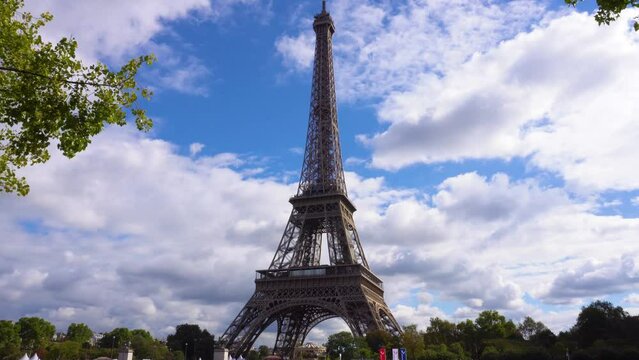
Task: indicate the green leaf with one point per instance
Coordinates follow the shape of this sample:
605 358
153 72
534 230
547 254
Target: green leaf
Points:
49 96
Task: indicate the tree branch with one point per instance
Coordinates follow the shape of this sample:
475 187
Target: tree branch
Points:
27 72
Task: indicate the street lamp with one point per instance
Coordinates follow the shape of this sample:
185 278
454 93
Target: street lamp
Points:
186 351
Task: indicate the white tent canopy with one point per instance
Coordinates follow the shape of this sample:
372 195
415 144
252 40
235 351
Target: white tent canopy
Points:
25 357
34 357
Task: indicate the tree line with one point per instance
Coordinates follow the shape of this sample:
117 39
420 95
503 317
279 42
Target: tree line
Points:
602 331
36 335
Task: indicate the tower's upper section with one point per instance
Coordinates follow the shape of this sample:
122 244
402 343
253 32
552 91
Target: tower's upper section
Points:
322 171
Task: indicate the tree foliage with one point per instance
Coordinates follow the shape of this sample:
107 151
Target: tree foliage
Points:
379 338
492 325
609 10
9 339
341 343
115 338
146 347
413 341
599 321
440 332
35 332
48 96
263 351
68 350
194 342
529 328
79 332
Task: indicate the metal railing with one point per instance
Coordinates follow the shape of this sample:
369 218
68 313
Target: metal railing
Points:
319 271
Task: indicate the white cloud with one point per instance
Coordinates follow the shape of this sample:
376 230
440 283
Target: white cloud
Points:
187 76
319 334
632 299
557 95
195 148
635 201
130 233
354 161
131 216
471 197
419 315
486 243
297 51
115 30
381 48
595 278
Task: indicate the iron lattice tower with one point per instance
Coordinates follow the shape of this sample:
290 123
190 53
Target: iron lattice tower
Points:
296 291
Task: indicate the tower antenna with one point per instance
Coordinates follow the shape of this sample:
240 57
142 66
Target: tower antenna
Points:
323 5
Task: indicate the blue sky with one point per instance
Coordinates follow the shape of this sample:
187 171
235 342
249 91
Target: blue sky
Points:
489 147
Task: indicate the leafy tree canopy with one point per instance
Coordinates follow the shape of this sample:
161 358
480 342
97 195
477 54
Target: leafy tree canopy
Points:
362 350
146 347
79 332
341 343
609 10
413 341
378 338
35 332
491 324
48 96
115 338
599 320
9 339
194 342
68 350
141 333
528 328
263 351
440 332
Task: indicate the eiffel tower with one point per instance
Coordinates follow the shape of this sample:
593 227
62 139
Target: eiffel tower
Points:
296 292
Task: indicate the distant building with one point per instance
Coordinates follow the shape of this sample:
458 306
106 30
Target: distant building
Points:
309 351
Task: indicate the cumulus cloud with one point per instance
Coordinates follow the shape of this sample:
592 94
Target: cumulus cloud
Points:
419 315
486 242
595 278
541 95
381 47
115 30
471 197
129 233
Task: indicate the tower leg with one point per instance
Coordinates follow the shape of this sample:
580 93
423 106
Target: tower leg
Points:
298 300
290 333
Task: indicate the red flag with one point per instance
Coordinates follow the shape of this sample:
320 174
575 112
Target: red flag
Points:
382 353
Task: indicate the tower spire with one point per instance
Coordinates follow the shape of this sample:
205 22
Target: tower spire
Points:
322 171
